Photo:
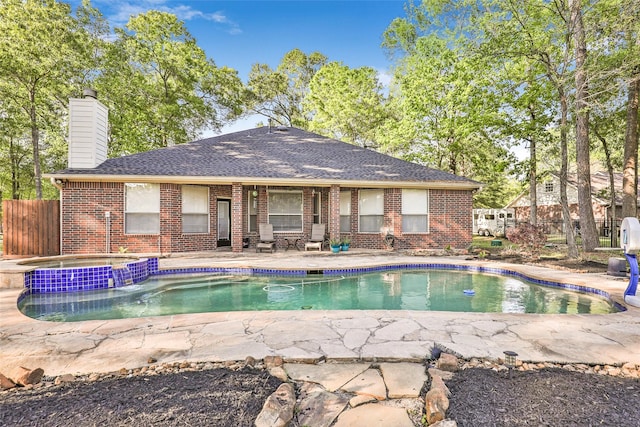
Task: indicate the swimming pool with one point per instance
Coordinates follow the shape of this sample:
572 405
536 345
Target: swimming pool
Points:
390 289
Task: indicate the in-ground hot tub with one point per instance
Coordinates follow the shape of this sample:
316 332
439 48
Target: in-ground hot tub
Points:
70 274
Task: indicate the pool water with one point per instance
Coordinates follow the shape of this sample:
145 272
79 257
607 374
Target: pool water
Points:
425 290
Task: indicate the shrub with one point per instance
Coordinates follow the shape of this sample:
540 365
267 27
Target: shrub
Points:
531 238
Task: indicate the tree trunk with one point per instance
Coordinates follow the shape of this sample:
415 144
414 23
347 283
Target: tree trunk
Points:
35 143
533 178
630 171
572 248
588 228
612 181
15 184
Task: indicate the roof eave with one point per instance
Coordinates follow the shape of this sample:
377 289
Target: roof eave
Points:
245 180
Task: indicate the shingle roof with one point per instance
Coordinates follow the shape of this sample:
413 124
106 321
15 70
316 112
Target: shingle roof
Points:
277 154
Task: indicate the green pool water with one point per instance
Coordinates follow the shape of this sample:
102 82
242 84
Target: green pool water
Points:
425 290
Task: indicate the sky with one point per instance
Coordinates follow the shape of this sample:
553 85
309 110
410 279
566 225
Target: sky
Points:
240 33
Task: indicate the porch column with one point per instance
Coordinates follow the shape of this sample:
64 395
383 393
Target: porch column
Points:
236 217
334 212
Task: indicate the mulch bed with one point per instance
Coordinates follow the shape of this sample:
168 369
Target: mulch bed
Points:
222 397
548 397
218 397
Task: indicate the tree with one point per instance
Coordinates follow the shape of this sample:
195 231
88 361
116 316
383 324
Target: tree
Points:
529 103
587 223
279 94
444 95
43 49
346 104
160 87
538 32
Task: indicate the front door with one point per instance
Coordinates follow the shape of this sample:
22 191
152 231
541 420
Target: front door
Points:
224 223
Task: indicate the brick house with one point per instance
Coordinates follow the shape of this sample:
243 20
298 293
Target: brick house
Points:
548 199
214 192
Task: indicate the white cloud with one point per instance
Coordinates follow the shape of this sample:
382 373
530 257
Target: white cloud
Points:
122 10
384 77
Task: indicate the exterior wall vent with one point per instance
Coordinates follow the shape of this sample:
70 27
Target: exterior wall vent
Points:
88 121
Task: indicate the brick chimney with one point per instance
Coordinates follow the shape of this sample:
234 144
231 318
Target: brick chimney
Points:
87 131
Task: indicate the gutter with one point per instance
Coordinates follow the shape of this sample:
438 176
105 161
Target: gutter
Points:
213 180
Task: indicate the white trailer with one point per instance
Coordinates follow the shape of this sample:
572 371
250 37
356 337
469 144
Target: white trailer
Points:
493 222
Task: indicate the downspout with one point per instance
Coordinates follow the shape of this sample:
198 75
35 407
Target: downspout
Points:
59 186
107 218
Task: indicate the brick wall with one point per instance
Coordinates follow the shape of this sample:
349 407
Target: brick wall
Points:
450 222
84 224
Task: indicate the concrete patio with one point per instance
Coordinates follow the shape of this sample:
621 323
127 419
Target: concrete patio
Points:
307 335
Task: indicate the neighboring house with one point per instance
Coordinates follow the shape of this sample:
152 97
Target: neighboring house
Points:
214 192
548 199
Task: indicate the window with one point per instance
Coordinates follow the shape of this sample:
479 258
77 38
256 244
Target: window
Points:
317 208
252 211
415 211
142 209
345 211
548 187
195 209
285 210
371 210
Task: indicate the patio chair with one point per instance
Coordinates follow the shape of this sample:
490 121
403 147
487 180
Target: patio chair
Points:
267 241
317 237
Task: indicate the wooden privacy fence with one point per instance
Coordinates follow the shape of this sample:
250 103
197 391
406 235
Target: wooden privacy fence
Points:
31 228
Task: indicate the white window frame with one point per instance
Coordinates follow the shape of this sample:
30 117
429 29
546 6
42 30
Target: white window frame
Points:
368 209
252 210
199 210
415 207
299 214
316 198
141 208
345 211
549 187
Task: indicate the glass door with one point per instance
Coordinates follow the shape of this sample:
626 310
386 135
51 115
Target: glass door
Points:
224 223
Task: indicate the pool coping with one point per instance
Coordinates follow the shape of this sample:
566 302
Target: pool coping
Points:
104 346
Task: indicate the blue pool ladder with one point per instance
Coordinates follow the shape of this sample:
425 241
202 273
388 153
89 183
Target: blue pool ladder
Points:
630 242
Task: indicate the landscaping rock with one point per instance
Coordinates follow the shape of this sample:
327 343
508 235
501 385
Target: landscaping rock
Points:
6 383
438 383
66 378
278 408
29 376
279 373
447 362
272 361
436 405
